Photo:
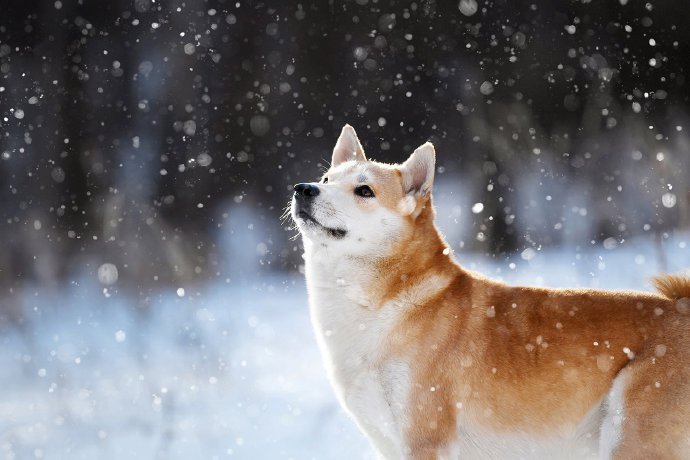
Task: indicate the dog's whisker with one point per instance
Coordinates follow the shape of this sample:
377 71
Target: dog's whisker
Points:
286 213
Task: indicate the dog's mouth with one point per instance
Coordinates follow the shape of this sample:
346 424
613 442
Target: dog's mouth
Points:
336 233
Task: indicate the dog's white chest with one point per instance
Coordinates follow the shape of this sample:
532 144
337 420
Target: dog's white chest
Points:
352 334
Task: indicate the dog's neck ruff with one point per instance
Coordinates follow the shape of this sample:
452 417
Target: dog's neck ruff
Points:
413 265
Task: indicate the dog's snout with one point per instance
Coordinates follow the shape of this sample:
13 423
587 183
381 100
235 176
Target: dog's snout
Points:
306 190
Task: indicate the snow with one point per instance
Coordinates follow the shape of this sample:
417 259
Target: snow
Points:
107 274
468 7
223 370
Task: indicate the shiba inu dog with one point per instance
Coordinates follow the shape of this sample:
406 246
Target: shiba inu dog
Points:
434 361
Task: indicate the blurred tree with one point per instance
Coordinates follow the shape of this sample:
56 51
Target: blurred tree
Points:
133 129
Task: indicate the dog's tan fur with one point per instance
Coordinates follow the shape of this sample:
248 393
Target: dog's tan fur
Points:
485 357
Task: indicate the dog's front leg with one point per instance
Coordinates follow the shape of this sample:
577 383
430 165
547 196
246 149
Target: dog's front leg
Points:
386 448
429 452
366 399
431 433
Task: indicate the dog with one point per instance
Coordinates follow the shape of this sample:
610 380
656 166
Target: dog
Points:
435 361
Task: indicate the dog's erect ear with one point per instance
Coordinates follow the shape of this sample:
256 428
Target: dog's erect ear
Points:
418 171
348 147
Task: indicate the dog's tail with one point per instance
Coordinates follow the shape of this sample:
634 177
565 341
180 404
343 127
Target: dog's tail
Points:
673 287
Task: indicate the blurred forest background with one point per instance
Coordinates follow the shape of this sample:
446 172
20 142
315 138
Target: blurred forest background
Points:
163 137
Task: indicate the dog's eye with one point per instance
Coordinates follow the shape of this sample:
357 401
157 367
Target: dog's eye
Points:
324 180
365 191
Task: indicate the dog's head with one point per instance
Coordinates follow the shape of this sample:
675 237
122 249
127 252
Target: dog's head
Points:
361 206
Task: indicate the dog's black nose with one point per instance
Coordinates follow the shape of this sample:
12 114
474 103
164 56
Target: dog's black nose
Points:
306 190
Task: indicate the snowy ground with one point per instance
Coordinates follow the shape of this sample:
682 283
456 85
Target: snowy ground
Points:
228 370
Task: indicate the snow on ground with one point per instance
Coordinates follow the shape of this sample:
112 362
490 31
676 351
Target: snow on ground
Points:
223 371
228 371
